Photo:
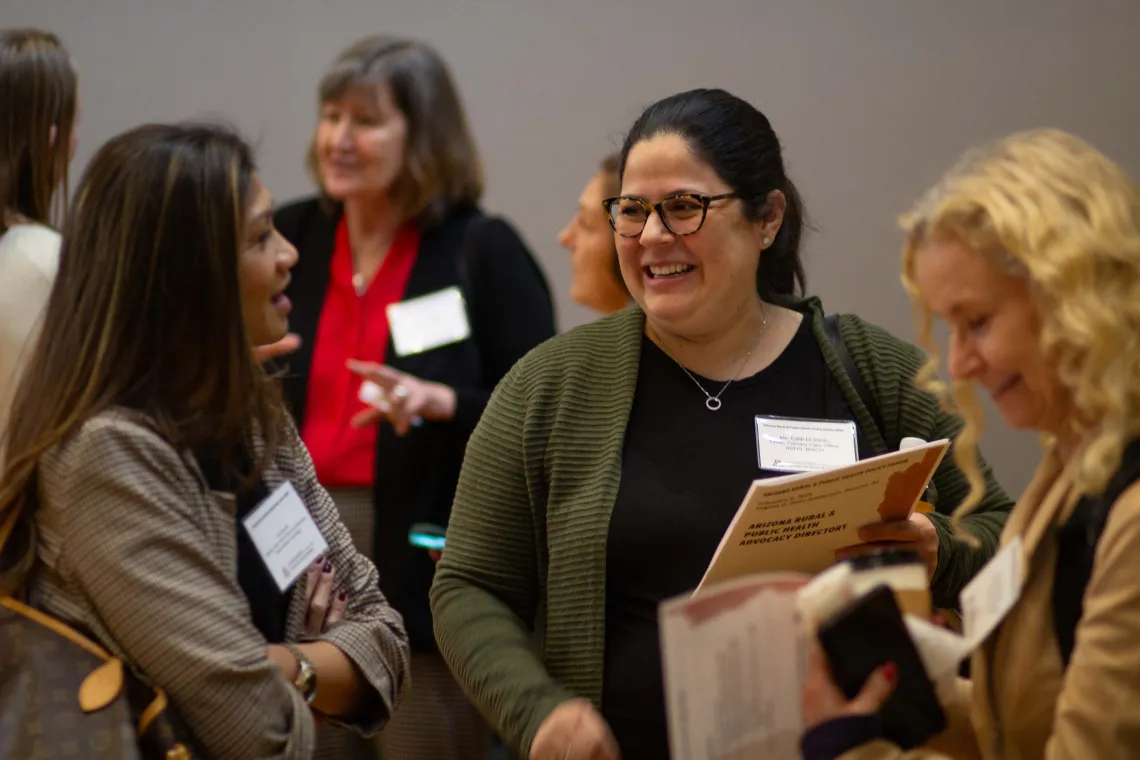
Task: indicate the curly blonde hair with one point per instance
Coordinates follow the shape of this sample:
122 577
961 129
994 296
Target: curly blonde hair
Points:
1051 207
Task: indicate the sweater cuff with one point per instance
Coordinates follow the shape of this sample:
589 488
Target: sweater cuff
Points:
832 738
944 583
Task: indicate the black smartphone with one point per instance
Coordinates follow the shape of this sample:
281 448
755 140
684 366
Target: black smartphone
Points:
868 634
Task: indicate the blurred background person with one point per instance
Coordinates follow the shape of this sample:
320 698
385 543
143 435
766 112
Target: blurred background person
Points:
597 281
1029 251
39 112
405 283
143 434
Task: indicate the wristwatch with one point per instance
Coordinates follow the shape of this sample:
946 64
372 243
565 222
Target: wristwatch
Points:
306 679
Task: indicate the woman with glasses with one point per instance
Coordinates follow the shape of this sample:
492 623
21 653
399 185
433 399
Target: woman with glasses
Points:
610 460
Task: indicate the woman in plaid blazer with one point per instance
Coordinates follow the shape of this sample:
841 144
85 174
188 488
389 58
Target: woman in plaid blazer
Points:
144 431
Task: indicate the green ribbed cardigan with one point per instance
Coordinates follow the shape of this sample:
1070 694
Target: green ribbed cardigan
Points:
519 595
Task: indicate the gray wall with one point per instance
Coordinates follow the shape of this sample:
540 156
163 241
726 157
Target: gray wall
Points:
872 98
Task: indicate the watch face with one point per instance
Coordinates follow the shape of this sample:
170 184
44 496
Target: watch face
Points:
307 681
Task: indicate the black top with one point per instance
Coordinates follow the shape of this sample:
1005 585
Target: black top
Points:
685 471
267 605
1077 540
510 312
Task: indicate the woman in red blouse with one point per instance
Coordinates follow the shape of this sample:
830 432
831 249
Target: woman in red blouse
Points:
408 296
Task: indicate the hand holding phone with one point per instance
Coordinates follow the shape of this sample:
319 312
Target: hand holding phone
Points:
864 637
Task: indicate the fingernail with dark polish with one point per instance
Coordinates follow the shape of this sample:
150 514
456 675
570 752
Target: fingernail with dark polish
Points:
319 560
891 672
328 567
343 595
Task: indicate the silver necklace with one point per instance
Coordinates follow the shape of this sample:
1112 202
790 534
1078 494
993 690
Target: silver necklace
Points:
713 403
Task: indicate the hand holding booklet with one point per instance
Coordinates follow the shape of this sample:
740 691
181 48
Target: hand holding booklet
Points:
735 654
735 661
795 523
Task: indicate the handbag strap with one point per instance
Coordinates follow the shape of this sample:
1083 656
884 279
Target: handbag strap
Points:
47 621
31 613
831 326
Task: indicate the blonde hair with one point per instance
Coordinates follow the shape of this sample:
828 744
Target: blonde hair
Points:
1051 207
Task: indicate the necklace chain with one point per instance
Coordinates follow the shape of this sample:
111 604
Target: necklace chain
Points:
713 403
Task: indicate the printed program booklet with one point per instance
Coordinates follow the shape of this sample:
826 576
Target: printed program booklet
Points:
795 523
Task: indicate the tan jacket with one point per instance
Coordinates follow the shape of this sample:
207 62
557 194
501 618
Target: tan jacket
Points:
134 547
1023 704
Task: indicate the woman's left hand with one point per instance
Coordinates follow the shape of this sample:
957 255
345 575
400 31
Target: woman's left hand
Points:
823 701
917 530
405 398
323 606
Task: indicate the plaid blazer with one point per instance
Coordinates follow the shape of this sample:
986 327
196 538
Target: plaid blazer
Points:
135 547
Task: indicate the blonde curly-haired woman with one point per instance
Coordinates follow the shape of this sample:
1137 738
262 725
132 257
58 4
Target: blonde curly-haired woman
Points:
1029 250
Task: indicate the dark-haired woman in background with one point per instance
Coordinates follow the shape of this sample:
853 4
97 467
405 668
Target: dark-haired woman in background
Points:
39 108
610 460
596 276
398 220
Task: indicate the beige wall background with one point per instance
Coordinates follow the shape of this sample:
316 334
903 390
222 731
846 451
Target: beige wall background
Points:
872 98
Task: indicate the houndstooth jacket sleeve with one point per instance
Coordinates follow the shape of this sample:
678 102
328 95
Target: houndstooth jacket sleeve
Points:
134 547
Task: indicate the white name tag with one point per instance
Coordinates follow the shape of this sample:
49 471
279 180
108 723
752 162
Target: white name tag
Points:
992 593
793 445
427 322
284 534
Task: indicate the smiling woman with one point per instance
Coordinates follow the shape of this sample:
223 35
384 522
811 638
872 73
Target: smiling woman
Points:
1029 250
410 304
990 310
611 460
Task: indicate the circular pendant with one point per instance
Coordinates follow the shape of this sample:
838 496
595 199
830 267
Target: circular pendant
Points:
712 403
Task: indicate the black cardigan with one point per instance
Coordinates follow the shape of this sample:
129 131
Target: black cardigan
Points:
510 312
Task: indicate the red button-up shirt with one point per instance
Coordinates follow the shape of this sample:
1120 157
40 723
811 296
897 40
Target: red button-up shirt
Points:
351 326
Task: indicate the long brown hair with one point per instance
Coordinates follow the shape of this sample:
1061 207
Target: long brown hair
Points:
442 168
38 91
145 312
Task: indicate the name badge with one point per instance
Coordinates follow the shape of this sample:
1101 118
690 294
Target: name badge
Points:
427 322
284 534
992 593
785 444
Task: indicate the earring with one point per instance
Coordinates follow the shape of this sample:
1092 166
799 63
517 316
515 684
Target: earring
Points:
767 241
